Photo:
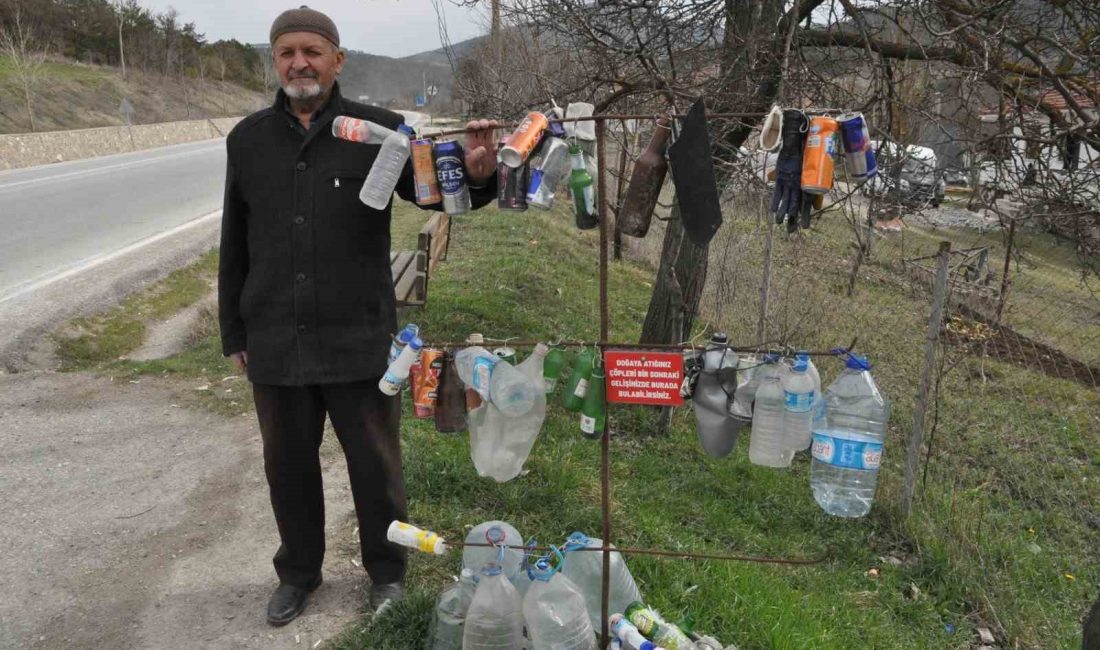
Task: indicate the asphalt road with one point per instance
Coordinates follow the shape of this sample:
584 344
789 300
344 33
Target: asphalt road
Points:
56 218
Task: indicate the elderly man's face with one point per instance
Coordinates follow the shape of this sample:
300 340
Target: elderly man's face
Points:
307 64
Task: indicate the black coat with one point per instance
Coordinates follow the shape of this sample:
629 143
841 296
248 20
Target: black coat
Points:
304 281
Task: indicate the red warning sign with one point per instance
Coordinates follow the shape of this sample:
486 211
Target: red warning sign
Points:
644 377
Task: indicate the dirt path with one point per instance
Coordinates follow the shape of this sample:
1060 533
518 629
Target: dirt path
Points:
134 521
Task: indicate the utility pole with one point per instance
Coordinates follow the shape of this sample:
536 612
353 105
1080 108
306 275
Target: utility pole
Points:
495 30
121 53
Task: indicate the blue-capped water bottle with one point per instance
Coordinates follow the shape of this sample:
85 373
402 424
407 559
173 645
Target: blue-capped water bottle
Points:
848 440
401 340
398 372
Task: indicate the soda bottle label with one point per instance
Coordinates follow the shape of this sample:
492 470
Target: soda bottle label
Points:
390 384
483 370
588 424
581 389
798 402
849 454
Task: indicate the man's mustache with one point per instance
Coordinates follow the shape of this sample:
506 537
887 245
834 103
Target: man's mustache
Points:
303 75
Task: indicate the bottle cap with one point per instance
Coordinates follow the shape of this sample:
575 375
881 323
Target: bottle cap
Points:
576 541
491 569
856 362
408 334
801 363
495 535
406 129
416 343
719 337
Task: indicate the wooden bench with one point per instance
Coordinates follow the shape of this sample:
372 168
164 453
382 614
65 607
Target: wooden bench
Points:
411 269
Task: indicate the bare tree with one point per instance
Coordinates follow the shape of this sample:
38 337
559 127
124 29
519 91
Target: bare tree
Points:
20 42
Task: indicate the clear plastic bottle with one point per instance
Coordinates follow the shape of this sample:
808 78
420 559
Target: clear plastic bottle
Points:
475 558
358 130
512 392
495 618
450 612
819 398
848 442
717 431
398 372
555 612
798 398
767 446
384 173
585 569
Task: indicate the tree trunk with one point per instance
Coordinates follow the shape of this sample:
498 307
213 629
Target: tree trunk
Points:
27 98
678 288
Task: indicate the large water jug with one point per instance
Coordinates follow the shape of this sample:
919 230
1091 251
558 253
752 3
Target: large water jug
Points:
585 569
767 446
555 612
495 618
848 441
494 532
386 171
798 403
717 382
450 613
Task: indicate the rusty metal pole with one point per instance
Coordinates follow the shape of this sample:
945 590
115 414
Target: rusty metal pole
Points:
605 440
1002 297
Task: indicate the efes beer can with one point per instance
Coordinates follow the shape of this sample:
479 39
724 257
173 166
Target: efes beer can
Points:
511 184
450 170
427 185
857 143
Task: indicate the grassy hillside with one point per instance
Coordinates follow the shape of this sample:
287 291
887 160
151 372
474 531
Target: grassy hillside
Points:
71 95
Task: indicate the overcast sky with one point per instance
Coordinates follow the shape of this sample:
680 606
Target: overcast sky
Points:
388 27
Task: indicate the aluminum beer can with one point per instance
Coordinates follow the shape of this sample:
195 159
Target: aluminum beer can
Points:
450 170
547 172
524 139
427 185
853 132
511 185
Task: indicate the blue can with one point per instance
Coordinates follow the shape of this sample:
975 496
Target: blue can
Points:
857 142
450 169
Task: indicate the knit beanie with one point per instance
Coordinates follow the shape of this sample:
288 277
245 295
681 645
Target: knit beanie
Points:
304 19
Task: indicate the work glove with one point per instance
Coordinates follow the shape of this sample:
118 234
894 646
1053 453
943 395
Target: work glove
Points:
788 199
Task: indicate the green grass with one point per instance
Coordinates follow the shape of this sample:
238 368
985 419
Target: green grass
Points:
93 341
57 70
1008 511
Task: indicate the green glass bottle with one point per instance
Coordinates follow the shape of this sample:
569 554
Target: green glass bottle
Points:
577 386
580 186
594 411
552 367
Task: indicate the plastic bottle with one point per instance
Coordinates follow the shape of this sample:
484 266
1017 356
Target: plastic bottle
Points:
495 618
513 437
398 372
660 631
798 400
450 612
551 369
497 381
555 612
818 409
717 431
358 130
475 558
594 409
629 637
767 446
582 190
402 339
384 173
410 536
740 407
577 386
848 442
585 569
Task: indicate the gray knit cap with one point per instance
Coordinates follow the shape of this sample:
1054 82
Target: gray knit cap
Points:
304 19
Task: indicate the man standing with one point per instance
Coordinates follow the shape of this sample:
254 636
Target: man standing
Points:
306 304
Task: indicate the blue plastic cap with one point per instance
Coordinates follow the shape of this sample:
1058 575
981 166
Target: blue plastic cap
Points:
495 535
856 362
416 343
801 364
409 333
576 541
491 569
406 129
771 357
802 354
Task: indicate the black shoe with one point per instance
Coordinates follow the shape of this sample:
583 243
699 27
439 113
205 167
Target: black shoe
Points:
287 603
382 596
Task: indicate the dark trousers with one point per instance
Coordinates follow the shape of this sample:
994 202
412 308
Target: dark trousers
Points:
367 423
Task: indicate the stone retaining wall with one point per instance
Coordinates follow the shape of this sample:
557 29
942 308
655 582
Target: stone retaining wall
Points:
29 149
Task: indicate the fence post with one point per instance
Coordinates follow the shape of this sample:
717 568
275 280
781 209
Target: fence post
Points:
1003 297
765 281
939 296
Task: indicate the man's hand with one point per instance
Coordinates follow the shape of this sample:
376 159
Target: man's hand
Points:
240 361
481 163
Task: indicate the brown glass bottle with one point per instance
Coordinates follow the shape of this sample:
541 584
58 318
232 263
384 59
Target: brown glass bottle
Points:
646 180
450 402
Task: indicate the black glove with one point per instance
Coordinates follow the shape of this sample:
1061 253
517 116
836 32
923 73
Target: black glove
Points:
788 199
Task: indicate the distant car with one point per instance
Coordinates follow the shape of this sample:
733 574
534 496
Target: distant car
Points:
918 168
955 177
